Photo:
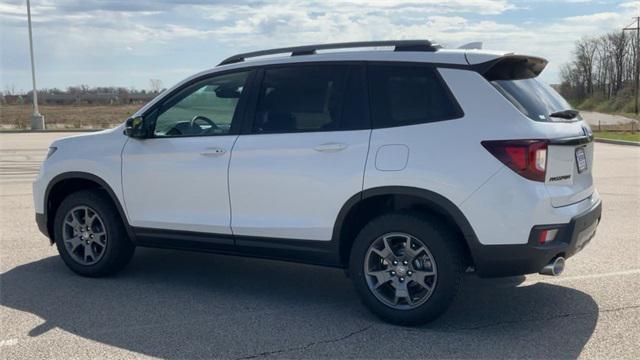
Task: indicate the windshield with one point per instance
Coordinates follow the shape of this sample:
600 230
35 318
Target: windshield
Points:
534 98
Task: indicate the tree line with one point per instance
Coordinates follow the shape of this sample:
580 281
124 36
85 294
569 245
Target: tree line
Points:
83 94
602 72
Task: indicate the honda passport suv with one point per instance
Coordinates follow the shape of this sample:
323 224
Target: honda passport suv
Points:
405 163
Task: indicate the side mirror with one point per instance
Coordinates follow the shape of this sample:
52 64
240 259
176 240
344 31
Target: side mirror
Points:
136 127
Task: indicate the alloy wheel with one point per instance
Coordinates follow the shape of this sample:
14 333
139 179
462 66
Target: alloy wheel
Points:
84 235
400 271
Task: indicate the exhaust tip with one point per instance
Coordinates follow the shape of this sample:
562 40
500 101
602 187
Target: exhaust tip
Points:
553 268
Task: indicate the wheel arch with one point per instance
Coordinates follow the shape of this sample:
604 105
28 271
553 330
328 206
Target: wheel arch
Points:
365 205
66 183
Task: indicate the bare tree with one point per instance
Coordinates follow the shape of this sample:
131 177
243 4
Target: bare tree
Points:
584 54
602 68
619 43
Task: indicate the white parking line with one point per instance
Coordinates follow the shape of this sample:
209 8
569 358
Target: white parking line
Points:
8 342
582 277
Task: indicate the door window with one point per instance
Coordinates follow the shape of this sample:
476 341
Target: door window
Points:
300 99
407 94
205 108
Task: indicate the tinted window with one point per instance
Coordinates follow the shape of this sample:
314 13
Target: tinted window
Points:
409 94
533 98
300 98
355 112
206 108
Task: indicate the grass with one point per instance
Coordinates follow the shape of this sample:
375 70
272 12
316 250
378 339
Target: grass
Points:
630 115
618 135
67 116
623 105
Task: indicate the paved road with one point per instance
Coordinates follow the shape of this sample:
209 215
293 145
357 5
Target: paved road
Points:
595 118
183 305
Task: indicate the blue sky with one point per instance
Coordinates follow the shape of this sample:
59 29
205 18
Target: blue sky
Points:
127 43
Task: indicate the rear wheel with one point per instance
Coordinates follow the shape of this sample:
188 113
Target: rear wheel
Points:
90 235
406 269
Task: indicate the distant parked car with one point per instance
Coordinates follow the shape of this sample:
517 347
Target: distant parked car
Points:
407 167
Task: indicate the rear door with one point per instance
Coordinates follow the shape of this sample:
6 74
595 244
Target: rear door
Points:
570 150
303 152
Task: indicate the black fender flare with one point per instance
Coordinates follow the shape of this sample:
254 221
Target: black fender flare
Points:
85 176
436 201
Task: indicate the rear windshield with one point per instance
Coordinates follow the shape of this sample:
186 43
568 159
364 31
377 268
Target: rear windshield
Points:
534 98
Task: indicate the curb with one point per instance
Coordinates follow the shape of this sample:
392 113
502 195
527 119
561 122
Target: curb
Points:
617 142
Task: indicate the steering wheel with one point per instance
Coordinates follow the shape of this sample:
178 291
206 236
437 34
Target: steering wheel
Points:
204 119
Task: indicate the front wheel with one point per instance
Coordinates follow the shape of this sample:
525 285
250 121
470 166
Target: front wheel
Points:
90 235
406 269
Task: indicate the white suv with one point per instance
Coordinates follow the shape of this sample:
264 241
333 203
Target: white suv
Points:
406 165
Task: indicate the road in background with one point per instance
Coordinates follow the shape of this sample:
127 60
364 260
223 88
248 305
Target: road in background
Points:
172 304
595 118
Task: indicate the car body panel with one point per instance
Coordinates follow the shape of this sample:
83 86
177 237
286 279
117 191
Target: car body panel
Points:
282 186
171 183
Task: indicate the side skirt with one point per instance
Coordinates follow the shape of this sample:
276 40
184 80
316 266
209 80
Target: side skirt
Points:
325 253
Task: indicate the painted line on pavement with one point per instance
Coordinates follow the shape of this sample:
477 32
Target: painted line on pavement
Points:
582 277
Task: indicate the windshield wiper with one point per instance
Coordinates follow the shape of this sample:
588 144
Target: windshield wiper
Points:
565 114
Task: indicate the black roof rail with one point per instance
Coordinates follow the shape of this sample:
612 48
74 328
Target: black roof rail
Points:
400 45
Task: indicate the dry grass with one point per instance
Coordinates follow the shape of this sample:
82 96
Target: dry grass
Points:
67 116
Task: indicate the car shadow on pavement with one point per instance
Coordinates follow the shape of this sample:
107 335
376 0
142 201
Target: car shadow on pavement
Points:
187 305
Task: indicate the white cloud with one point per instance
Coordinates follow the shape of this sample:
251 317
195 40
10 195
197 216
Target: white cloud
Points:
631 5
597 17
159 36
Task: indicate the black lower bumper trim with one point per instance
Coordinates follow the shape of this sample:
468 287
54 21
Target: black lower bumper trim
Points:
41 220
511 260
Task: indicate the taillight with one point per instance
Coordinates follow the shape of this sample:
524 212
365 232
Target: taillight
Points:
526 157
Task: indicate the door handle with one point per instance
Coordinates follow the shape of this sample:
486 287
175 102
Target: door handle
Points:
213 152
330 147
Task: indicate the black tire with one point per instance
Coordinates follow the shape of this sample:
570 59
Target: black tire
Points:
444 248
118 249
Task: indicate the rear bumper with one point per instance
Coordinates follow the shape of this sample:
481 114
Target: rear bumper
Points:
510 260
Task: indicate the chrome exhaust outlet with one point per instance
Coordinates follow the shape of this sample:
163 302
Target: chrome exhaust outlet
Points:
554 268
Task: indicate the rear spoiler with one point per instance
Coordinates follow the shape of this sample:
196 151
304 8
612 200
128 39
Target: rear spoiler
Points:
512 67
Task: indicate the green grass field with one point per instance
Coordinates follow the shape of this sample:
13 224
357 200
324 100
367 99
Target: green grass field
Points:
626 136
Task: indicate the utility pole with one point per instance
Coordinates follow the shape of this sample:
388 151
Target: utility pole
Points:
37 120
637 30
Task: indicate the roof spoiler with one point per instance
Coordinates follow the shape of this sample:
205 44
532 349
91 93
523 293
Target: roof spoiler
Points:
513 67
476 45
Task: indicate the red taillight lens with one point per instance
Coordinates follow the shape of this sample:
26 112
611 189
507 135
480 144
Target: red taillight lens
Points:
526 157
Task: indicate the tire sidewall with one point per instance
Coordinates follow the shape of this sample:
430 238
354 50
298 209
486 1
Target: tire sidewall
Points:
447 265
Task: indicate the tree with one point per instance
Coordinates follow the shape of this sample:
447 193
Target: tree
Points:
602 67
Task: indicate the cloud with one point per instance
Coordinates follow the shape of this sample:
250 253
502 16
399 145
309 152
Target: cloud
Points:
631 4
597 17
125 41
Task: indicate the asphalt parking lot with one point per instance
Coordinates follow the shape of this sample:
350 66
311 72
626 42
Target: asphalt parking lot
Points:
184 305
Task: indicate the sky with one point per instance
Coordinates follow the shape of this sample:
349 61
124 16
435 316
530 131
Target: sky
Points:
128 42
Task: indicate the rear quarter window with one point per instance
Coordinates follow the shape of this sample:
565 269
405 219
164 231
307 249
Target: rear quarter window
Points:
409 94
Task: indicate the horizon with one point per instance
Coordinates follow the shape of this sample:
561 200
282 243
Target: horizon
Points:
126 44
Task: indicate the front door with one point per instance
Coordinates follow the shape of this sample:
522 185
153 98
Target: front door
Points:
178 180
